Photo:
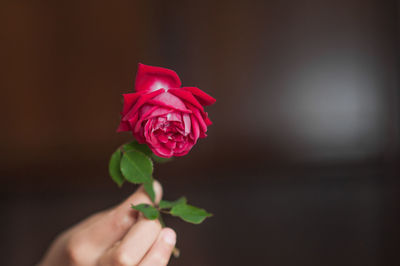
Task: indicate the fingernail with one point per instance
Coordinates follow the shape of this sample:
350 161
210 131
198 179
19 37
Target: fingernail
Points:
169 237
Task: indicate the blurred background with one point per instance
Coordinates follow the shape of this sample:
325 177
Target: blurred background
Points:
301 166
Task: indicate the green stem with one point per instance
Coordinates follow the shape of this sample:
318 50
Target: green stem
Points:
161 221
164 211
175 251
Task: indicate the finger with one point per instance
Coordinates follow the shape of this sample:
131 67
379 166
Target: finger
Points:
99 235
160 252
135 244
141 196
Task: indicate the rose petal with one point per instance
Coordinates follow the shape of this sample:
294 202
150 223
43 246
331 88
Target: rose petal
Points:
143 99
149 133
150 78
195 128
207 120
170 145
149 110
200 95
202 124
159 112
184 149
123 126
192 108
186 96
170 100
164 105
133 120
129 100
178 137
174 116
145 109
187 123
139 134
162 138
162 151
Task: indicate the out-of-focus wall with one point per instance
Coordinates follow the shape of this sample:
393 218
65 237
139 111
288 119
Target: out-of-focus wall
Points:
306 122
315 76
64 67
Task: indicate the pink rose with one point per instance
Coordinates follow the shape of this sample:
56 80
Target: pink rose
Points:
167 117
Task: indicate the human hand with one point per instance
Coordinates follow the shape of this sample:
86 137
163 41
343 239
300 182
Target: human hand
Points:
119 236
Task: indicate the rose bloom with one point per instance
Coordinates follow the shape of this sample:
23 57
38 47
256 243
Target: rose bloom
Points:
167 117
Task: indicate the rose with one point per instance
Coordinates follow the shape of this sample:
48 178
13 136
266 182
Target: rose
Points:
168 118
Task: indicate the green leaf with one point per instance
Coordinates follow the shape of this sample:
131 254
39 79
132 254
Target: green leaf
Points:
148 186
159 159
165 204
148 211
136 167
134 145
114 168
190 213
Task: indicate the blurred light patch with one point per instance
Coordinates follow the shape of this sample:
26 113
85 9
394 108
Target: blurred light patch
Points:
335 108
328 107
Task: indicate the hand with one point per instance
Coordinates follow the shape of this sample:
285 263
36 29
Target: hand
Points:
119 236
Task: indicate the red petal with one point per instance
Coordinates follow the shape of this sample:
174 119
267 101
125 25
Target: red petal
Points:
149 134
186 147
162 138
187 123
129 100
144 117
174 117
140 102
199 115
195 128
132 122
160 112
170 144
162 104
123 126
187 96
207 120
201 96
160 150
202 124
170 100
150 78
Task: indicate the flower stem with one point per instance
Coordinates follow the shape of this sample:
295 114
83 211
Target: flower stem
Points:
161 221
176 252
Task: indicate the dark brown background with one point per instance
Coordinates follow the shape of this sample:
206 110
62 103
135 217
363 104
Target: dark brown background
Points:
300 166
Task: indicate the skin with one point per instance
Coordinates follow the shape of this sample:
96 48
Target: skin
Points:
119 236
